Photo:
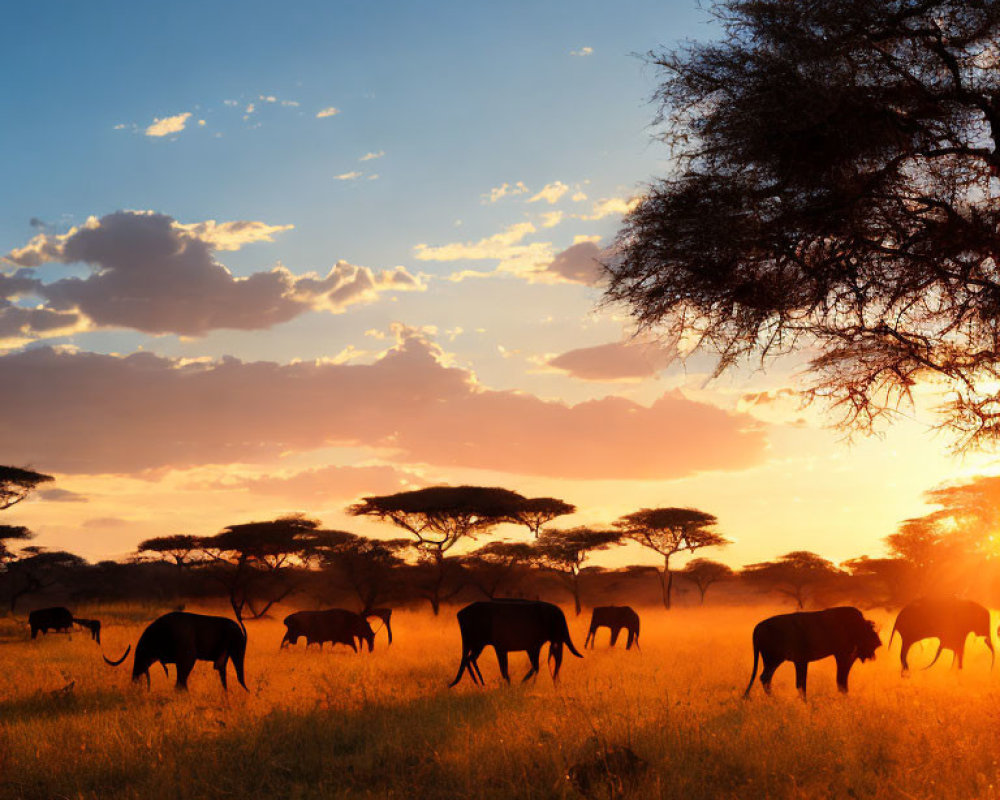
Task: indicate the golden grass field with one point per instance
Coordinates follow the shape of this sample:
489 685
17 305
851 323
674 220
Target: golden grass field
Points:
336 724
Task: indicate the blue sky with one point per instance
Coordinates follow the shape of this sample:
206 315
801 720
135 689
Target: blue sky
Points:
408 199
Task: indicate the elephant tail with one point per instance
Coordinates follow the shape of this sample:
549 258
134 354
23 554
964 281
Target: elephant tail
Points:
120 660
564 635
936 656
892 633
753 676
238 656
466 654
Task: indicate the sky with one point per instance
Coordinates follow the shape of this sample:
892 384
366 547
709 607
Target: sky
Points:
261 258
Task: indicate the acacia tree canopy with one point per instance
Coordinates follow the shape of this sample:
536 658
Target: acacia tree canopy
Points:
16 483
439 517
836 188
669 531
793 574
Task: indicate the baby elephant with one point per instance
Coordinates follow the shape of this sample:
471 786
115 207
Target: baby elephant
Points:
616 618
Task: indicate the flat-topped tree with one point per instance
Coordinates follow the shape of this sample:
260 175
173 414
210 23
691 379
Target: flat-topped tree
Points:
16 483
564 552
438 517
12 533
535 512
180 548
796 575
669 531
255 559
703 572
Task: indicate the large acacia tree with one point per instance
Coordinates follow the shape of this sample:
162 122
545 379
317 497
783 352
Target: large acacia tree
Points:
836 188
438 518
564 553
669 531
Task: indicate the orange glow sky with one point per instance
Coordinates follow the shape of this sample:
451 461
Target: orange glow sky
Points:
287 273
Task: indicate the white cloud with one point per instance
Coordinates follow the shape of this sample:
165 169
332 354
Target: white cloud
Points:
504 190
551 218
372 156
608 206
578 196
583 51
164 126
327 112
498 246
232 235
348 176
551 193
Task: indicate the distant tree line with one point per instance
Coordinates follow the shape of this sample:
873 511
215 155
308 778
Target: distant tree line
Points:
257 564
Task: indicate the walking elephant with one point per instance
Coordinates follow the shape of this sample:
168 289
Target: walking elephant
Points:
617 618
511 626
947 619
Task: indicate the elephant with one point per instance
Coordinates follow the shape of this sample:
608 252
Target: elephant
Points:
181 638
806 636
616 618
511 625
56 618
949 620
336 625
384 614
92 625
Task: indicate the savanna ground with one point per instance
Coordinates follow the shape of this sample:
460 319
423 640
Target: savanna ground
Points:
384 724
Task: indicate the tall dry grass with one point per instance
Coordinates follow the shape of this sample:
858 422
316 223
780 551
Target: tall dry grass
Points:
336 724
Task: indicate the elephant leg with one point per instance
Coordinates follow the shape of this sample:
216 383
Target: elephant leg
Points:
591 635
502 662
184 667
354 647
904 649
220 667
767 673
631 639
556 654
533 658
801 671
843 670
615 633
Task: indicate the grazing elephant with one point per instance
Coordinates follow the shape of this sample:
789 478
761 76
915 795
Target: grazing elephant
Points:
384 614
92 625
948 620
809 636
335 625
510 626
616 618
56 618
181 638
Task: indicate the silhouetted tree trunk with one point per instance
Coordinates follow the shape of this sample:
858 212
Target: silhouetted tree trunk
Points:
666 582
